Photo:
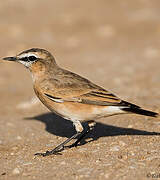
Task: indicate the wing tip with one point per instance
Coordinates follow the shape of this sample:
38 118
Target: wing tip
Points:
141 112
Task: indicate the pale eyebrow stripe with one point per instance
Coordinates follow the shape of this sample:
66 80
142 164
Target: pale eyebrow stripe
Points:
27 55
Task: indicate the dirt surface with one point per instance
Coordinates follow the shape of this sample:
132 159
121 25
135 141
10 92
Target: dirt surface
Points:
113 43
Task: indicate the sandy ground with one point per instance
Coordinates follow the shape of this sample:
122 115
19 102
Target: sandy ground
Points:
113 43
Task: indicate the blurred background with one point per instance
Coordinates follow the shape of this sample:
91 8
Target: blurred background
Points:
115 44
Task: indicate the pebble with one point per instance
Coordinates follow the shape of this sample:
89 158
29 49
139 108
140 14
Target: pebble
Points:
115 148
27 163
16 171
98 160
14 148
49 145
122 143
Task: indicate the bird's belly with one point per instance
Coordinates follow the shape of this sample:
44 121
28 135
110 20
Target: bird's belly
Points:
77 111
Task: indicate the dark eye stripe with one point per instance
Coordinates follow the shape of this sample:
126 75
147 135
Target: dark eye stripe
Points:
32 58
25 59
28 59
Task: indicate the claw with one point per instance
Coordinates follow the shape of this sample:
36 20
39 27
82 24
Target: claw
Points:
47 153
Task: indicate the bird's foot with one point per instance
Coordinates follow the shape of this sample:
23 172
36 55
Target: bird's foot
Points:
55 151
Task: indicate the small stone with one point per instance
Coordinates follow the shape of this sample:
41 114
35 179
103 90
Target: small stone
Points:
49 145
27 163
122 143
14 148
114 148
98 160
16 171
59 138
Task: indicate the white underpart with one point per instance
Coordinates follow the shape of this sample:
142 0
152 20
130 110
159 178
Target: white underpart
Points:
108 111
97 112
27 64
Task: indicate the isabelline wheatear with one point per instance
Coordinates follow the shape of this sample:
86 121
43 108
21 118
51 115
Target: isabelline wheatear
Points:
70 95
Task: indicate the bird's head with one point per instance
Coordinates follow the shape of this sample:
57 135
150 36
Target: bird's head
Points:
33 56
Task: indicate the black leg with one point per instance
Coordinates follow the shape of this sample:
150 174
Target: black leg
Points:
59 148
91 125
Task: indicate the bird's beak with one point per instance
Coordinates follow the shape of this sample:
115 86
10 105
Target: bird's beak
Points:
10 58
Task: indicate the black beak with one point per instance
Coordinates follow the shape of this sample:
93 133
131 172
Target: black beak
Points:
10 58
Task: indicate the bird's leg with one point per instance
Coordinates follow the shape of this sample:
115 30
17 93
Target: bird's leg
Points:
79 129
59 148
91 125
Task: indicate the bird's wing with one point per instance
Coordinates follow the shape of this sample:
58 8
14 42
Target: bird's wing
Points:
74 88
96 97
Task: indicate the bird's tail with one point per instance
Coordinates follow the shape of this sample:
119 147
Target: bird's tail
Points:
141 112
132 108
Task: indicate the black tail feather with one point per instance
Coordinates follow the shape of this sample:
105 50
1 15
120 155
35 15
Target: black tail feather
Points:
141 111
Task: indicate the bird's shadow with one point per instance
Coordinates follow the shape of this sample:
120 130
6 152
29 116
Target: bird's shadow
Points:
64 128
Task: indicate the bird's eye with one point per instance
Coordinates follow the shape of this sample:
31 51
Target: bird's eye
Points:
32 58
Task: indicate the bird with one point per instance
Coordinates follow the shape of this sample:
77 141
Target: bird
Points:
71 96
